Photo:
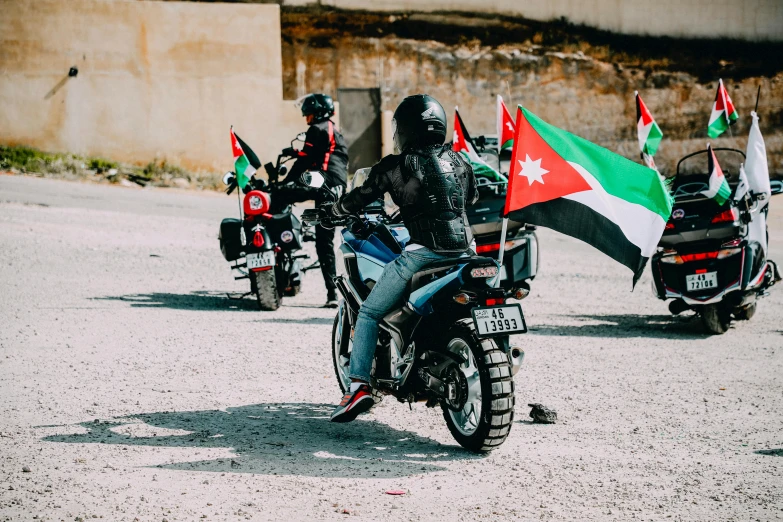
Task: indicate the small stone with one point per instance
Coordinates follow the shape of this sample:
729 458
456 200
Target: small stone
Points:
26 469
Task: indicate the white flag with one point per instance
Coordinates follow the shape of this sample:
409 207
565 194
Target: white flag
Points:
742 186
757 172
756 162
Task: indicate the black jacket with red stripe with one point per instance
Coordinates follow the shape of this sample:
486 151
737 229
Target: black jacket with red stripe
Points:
324 150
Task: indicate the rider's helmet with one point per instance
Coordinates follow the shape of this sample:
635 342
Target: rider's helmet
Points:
419 121
319 105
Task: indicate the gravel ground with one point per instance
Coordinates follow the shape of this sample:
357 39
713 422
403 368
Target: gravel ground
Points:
132 389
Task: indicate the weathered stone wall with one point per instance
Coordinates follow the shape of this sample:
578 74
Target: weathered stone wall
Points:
748 19
584 95
157 80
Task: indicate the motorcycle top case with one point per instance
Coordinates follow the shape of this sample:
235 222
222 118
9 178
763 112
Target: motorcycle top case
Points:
231 239
285 230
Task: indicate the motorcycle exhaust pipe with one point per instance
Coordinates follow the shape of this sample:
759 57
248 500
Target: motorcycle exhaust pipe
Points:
515 357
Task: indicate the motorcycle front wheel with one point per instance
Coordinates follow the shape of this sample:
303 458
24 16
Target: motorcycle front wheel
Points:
482 420
265 287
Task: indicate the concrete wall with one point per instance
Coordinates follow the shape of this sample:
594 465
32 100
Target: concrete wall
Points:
745 19
157 80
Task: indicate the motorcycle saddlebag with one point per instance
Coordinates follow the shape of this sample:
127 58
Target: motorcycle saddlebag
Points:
231 239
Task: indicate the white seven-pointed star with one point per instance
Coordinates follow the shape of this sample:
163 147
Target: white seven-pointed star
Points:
532 170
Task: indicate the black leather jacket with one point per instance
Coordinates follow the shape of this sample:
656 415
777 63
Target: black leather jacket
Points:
324 150
432 187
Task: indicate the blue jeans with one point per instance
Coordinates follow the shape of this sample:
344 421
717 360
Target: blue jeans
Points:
386 295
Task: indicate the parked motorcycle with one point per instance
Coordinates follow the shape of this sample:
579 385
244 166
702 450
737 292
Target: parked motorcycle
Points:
706 260
447 345
264 243
521 254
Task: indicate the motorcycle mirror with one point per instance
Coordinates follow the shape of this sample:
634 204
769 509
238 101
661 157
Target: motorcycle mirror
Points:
312 179
228 177
300 137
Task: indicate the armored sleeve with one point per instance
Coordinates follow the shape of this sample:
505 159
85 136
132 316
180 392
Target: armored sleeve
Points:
312 153
372 189
471 188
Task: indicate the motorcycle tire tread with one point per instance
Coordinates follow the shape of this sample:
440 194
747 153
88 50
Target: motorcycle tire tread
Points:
266 291
501 387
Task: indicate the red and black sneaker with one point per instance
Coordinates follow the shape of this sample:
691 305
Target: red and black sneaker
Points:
353 404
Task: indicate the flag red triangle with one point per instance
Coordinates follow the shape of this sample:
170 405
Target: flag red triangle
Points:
538 173
642 112
459 143
713 165
236 149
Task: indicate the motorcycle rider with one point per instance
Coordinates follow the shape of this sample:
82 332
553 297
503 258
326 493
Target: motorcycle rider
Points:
324 150
432 186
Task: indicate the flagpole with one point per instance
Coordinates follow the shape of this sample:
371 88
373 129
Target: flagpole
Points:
502 250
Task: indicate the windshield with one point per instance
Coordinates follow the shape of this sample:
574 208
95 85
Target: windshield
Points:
359 177
728 159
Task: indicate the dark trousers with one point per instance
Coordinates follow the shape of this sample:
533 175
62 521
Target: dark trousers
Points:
324 237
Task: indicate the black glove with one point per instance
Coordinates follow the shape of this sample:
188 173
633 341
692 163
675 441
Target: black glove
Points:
231 185
290 151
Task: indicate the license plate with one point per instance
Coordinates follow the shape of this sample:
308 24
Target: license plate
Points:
497 320
701 281
262 260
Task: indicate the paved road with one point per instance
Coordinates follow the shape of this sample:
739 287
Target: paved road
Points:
132 389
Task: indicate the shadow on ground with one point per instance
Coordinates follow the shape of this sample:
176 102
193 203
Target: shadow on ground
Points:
192 301
281 439
626 325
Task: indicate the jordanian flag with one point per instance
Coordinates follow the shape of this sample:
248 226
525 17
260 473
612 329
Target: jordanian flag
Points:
648 131
719 188
245 160
505 126
462 143
723 113
568 184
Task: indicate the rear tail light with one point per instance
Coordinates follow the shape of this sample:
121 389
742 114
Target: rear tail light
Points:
676 259
258 239
727 216
494 247
492 301
669 226
484 272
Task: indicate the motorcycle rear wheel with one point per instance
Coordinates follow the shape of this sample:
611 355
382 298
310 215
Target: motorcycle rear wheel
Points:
716 318
746 312
266 290
484 421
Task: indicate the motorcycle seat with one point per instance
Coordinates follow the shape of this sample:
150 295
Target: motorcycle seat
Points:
430 272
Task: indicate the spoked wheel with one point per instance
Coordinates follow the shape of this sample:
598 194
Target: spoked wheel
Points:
480 419
716 318
266 290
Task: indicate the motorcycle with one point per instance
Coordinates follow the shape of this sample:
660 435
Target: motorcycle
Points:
264 244
706 260
448 344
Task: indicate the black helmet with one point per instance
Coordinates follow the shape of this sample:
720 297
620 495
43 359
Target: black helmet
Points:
419 121
319 105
